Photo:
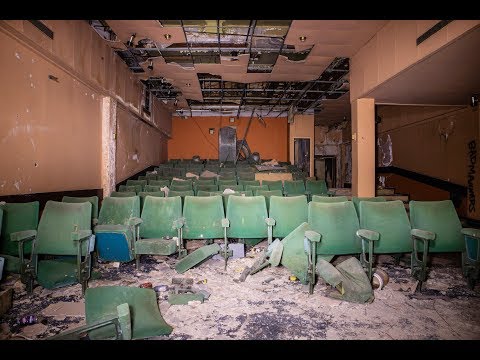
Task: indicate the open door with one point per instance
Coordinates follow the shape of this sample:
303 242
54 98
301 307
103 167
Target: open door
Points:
302 154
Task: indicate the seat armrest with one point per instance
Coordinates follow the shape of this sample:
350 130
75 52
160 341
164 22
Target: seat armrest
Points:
313 236
23 235
80 235
225 223
178 223
134 221
368 234
95 221
471 232
270 221
423 234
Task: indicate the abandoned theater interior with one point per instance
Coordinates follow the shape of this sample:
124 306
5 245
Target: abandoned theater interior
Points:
240 179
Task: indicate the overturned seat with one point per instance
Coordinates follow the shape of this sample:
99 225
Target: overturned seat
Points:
384 229
64 231
436 228
288 213
117 228
17 217
160 230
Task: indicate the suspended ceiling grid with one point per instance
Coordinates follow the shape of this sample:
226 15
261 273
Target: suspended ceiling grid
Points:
236 67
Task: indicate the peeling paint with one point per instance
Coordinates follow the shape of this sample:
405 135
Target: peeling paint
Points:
17 55
17 184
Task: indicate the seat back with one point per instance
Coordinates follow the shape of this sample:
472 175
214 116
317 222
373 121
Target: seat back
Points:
142 183
58 221
209 181
208 193
232 187
338 223
158 215
246 176
254 188
329 199
151 188
221 182
390 220
207 187
181 193
203 217
130 188
288 213
247 183
144 194
228 176
267 194
316 186
118 210
17 217
294 187
247 216
356 201
439 217
186 187
91 199
160 183
123 194
237 193
182 183
273 184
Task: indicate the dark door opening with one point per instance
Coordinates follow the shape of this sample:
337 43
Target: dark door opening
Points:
301 154
326 168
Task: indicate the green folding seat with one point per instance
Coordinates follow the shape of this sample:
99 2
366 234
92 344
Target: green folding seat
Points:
143 177
288 213
267 194
182 194
237 193
254 188
245 183
160 183
205 181
210 187
221 182
246 176
356 201
337 223
316 187
130 188
437 228
142 183
117 229
294 187
248 218
161 222
208 193
228 176
123 193
273 184
152 188
143 194
186 187
329 199
17 217
231 187
146 320
91 199
182 183
149 176
384 228
64 230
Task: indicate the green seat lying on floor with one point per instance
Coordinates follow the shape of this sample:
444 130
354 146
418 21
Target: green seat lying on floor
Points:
146 319
437 228
161 222
384 229
294 188
123 194
337 223
141 183
92 199
273 184
356 201
248 218
64 229
130 188
288 213
267 194
16 217
329 199
117 229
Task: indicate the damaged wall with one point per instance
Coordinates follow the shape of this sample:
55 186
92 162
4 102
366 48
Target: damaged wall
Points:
303 126
50 138
191 136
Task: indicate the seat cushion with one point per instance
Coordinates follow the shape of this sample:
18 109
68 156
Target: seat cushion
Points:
155 247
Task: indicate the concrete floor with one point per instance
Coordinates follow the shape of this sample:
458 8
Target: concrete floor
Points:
268 305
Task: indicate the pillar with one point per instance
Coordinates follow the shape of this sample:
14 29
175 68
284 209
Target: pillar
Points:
363 147
109 144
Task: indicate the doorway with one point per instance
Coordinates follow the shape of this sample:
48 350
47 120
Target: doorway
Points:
301 154
326 169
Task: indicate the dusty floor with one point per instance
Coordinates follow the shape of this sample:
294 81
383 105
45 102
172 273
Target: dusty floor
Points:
268 305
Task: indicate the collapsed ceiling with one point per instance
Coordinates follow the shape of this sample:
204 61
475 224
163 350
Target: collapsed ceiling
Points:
239 67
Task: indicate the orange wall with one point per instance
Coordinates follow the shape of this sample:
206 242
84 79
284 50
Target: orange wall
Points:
191 137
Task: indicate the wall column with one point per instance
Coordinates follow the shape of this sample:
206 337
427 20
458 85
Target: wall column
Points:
109 144
302 127
363 147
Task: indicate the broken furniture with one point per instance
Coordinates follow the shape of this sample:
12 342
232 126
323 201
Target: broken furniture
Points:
267 194
198 256
64 230
161 228
288 213
118 228
356 201
436 226
121 321
91 199
146 319
17 217
384 229
329 199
